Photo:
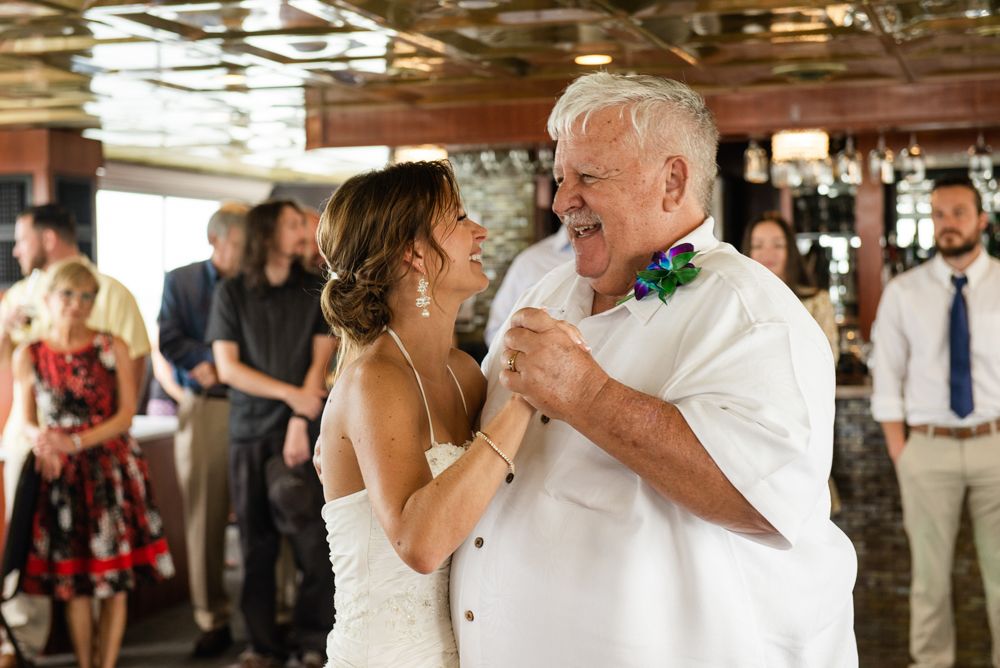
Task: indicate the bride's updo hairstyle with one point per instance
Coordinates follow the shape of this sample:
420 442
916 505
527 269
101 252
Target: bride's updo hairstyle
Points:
366 228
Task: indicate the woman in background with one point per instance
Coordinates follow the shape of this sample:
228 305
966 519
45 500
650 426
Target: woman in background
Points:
96 533
770 240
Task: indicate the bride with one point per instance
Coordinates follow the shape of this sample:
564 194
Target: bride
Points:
405 470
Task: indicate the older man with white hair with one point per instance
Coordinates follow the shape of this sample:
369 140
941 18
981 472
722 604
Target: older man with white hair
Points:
671 504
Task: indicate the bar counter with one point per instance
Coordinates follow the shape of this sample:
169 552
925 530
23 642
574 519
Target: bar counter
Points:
871 516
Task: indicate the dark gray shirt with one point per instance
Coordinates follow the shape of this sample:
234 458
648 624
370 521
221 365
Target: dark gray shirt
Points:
274 331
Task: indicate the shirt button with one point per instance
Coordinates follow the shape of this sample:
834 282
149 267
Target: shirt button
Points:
479 542
545 419
469 615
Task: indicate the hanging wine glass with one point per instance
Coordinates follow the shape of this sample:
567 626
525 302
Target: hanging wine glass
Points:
546 160
980 161
911 162
755 163
847 164
880 163
786 174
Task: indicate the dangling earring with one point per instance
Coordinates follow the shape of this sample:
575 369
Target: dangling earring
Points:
423 301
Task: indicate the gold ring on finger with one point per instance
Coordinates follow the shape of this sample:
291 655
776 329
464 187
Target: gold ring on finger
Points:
510 362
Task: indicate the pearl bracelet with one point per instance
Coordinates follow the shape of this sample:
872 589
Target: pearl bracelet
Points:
76 441
510 464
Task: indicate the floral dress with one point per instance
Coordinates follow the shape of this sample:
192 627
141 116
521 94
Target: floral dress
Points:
96 531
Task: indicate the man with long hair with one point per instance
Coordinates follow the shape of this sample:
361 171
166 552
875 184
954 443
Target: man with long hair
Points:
201 444
272 348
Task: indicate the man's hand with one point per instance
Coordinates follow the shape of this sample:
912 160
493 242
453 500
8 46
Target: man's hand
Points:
895 439
296 450
553 368
306 401
16 318
204 374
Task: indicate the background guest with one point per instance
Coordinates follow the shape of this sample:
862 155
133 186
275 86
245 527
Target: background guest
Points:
96 532
272 347
770 240
201 443
937 371
45 238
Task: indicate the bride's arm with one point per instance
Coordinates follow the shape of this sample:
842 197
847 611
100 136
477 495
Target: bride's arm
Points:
425 518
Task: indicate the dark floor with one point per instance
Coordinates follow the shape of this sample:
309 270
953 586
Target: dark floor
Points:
164 641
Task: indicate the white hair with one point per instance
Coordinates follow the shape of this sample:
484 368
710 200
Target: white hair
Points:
668 119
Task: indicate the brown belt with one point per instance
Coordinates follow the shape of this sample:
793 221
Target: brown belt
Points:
958 432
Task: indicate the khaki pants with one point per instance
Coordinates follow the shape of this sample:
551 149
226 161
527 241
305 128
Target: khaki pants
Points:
201 454
934 475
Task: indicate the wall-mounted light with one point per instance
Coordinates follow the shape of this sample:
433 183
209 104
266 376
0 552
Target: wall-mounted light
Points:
422 152
592 59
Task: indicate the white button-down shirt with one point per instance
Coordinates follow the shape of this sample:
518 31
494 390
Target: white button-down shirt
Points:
582 563
527 269
912 345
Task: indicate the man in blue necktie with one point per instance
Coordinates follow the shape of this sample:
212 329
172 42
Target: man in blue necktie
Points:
937 373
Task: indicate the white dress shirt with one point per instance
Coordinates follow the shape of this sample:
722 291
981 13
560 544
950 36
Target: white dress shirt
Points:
912 346
526 270
579 562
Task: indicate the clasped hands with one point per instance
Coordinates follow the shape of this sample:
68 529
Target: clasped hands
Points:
49 447
553 369
304 401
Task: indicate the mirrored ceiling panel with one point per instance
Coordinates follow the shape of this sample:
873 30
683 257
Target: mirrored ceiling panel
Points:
225 82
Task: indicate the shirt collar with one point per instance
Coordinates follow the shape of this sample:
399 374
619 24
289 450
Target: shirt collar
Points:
579 301
703 239
975 272
213 273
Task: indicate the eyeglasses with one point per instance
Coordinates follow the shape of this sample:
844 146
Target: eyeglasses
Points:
69 295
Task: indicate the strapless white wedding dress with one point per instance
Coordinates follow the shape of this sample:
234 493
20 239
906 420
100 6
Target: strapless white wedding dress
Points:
388 615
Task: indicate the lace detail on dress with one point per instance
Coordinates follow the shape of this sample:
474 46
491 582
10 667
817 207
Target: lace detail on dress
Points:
352 615
418 608
443 455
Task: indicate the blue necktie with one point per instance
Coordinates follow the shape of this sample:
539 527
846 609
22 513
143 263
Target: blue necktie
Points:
961 357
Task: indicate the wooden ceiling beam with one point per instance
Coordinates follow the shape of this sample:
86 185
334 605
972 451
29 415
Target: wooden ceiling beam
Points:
899 107
945 104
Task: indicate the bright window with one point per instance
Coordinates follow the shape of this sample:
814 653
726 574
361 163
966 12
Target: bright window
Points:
141 237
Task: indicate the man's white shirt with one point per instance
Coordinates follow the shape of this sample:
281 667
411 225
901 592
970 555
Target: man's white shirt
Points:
912 364
582 563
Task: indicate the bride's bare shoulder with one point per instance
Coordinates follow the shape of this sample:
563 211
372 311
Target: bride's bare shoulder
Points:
376 376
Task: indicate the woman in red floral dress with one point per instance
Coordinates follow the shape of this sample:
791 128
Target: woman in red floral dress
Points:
96 532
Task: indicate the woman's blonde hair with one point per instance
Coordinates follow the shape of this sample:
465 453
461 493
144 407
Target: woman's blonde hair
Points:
367 227
73 273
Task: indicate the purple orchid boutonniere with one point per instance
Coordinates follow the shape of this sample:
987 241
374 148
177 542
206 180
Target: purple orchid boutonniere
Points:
665 273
